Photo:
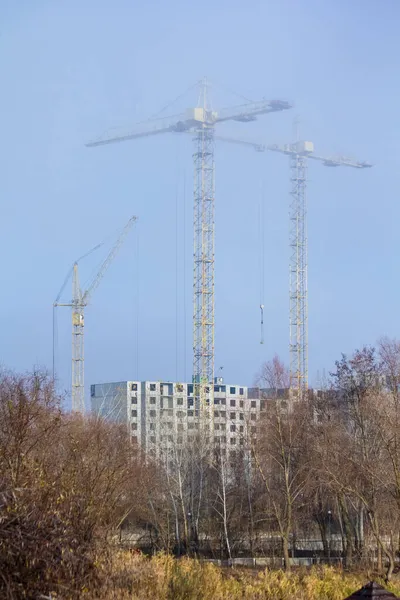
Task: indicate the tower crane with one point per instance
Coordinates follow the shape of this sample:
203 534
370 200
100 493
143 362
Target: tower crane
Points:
80 300
299 152
200 122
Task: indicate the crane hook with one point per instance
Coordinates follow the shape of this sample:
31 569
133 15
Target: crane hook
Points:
262 323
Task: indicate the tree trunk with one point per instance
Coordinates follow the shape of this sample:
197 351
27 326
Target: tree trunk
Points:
379 565
339 516
389 553
324 537
177 532
196 523
251 520
183 510
348 557
390 568
286 558
224 509
359 532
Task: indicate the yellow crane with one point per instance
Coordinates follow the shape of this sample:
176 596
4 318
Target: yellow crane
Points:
200 122
80 300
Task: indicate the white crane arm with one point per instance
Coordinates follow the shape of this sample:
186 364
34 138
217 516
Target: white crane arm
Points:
307 149
193 119
249 112
337 161
174 123
282 148
256 146
223 138
113 252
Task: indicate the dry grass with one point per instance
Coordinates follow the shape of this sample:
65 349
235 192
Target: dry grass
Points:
165 578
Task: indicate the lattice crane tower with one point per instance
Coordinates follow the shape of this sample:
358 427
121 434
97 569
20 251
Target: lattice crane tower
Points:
80 300
201 122
299 153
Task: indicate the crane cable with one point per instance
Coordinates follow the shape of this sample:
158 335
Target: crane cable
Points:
184 275
172 102
137 301
176 262
89 280
231 91
55 341
261 242
55 306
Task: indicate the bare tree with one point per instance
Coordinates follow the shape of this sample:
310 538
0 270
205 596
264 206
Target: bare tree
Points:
279 456
350 453
273 375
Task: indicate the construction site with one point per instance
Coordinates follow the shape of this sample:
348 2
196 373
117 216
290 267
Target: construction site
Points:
201 123
200 380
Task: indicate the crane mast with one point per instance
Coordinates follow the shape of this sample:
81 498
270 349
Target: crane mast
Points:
78 321
203 267
298 300
299 153
79 301
200 122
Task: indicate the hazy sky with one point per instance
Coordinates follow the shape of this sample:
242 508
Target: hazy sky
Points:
72 70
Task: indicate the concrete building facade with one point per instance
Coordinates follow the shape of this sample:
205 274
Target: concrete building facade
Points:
160 414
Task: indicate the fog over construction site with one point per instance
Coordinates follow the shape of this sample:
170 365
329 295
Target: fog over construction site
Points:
73 70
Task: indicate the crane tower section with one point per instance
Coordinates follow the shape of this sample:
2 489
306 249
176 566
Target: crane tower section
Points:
298 301
203 280
200 122
80 300
299 152
78 383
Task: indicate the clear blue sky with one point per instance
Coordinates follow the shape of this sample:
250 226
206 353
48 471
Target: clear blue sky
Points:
71 70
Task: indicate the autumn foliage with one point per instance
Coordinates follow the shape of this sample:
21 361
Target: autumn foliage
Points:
321 468
65 483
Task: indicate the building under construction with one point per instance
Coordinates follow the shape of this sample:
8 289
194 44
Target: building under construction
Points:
161 414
